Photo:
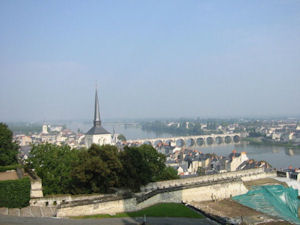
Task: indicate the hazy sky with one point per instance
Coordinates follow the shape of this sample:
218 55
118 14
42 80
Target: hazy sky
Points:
149 58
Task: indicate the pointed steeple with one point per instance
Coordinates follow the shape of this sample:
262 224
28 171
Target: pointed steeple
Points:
97 120
97 128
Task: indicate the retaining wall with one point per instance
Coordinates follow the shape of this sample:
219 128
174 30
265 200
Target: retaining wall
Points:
206 178
216 191
57 200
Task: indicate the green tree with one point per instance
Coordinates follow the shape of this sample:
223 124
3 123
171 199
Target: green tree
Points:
168 173
97 170
141 165
8 148
53 164
121 137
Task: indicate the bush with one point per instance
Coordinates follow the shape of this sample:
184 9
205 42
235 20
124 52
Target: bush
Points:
15 193
10 167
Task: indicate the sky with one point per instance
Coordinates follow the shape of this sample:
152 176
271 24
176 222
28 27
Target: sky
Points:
149 59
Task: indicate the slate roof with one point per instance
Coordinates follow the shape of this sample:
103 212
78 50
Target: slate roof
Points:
97 130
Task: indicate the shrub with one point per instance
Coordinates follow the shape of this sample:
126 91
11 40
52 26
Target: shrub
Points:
15 193
9 167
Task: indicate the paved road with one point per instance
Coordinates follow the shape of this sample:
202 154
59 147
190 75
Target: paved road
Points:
12 220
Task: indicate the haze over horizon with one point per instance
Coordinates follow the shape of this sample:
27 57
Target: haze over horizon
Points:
150 59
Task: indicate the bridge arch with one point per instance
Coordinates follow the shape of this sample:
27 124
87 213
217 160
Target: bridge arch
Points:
200 141
209 140
190 142
228 139
219 140
236 139
180 142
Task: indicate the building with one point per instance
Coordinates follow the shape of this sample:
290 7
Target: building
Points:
45 129
236 159
97 134
23 140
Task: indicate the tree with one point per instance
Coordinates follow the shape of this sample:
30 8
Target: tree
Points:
97 170
53 164
121 137
168 173
8 148
141 165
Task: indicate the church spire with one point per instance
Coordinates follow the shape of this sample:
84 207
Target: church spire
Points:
97 121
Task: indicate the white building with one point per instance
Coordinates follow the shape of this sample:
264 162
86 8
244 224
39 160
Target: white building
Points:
45 129
97 134
237 160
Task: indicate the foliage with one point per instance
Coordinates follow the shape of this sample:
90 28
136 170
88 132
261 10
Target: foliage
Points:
175 129
25 128
253 133
141 165
158 210
8 148
181 128
121 137
168 173
15 193
211 125
53 164
97 170
266 141
9 167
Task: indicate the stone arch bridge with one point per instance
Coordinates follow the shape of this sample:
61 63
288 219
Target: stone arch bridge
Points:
191 141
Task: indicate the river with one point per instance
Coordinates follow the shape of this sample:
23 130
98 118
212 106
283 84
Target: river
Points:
278 157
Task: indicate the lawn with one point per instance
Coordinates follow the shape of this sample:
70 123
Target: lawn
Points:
159 210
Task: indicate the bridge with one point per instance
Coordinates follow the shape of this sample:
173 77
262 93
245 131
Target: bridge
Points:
191 141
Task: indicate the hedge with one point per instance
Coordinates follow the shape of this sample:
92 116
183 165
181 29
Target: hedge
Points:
9 167
15 193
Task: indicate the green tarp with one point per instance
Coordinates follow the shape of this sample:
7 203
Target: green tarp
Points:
275 200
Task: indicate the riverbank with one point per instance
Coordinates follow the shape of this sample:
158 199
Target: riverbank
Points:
262 142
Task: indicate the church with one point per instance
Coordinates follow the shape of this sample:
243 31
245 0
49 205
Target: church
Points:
97 134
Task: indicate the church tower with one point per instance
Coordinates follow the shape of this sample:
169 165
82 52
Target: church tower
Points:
97 134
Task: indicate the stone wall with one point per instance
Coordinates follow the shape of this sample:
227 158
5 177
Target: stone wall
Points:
259 176
205 192
110 207
36 188
29 211
59 199
207 178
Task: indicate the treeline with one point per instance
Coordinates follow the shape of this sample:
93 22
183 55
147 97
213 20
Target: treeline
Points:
174 129
181 128
99 169
25 128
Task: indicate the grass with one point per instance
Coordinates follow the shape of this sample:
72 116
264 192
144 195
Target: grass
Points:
159 210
